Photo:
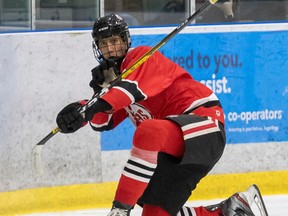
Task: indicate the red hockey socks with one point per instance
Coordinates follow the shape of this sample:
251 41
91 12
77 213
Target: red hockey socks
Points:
151 210
129 190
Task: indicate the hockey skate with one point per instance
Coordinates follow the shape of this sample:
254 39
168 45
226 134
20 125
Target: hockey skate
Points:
119 209
243 204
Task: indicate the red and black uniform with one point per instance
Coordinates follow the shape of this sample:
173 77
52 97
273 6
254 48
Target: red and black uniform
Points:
158 88
179 135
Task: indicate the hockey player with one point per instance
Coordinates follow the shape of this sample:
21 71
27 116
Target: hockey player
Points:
179 122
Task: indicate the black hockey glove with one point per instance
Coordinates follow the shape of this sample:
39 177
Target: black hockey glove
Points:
99 106
98 72
105 72
69 118
93 84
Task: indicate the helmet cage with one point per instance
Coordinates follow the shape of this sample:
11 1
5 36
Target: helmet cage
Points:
108 26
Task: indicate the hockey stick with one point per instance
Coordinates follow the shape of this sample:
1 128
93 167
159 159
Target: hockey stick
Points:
36 152
36 159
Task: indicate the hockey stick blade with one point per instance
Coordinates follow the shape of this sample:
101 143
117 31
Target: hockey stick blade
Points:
37 150
36 161
36 155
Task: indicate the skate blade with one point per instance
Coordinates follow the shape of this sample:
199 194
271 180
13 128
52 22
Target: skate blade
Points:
253 195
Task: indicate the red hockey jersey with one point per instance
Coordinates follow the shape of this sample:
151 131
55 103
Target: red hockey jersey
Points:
156 89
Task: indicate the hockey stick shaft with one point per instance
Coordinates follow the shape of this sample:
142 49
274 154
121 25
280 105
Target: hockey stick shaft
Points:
136 64
147 55
48 137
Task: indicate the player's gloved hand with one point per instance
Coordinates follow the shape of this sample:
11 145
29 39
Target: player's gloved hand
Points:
69 118
98 72
104 73
99 106
93 84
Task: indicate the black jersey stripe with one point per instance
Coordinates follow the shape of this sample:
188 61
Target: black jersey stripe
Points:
141 165
189 211
137 173
133 88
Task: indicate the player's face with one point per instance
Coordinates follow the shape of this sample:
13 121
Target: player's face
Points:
112 47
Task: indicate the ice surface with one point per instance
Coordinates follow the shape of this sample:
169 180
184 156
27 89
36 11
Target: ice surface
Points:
276 206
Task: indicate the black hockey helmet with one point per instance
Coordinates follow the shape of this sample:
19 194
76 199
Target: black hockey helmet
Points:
107 26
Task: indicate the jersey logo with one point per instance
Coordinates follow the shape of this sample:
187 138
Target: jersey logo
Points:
138 113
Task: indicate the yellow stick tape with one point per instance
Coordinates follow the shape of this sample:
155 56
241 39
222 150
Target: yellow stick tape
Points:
89 196
213 1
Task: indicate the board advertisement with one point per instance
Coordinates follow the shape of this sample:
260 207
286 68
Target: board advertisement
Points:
248 71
